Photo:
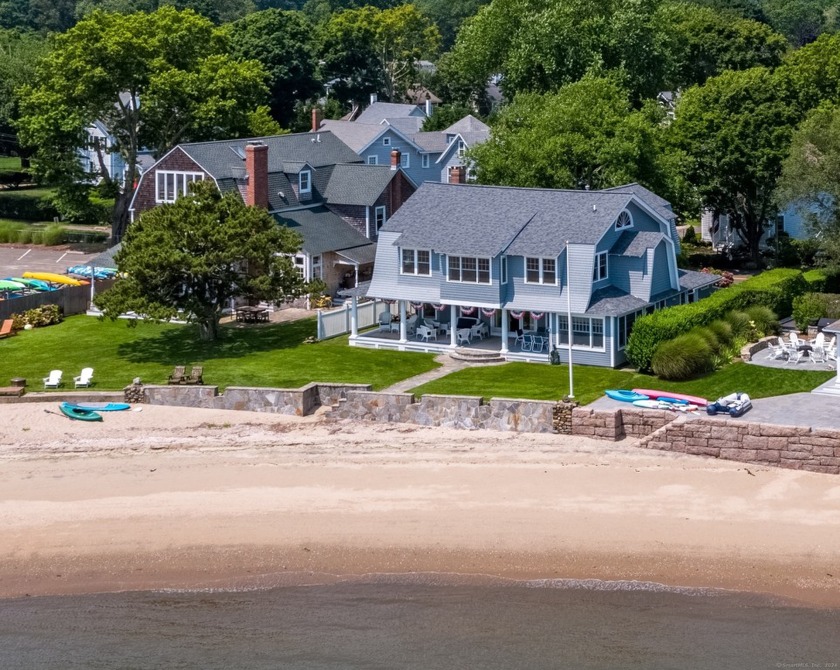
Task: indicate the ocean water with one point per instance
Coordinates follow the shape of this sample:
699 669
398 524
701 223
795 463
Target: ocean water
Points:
411 623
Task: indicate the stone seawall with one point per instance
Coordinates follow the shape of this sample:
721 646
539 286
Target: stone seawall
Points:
794 447
616 424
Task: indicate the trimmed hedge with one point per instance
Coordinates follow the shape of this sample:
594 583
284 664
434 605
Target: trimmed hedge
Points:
775 289
24 206
821 280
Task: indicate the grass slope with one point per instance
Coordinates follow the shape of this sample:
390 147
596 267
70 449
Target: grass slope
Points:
545 382
272 356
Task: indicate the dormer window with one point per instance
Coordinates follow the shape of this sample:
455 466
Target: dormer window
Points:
623 221
305 181
386 141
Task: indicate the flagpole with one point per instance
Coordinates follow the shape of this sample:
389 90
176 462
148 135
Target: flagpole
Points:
569 320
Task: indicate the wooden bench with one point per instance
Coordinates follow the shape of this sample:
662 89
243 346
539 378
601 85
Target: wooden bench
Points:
6 328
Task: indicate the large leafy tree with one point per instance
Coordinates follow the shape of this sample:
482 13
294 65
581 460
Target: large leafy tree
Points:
283 42
449 15
154 80
369 50
584 135
540 45
735 131
190 258
811 178
811 75
18 54
801 21
218 11
702 43
39 15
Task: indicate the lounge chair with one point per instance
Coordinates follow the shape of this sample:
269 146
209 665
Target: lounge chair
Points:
196 375
177 376
6 329
84 379
54 380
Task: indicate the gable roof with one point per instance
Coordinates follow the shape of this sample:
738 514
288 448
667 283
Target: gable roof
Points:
488 220
635 243
355 135
322 230
221 158
468 124
407 126
655 202
358 184
379 111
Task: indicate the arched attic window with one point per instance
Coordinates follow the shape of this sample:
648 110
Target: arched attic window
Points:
624 221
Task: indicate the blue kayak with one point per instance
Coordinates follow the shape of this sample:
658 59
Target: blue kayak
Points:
100 406
72 412
625 395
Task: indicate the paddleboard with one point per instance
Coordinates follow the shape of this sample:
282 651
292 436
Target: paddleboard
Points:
650 404
693 399
52 278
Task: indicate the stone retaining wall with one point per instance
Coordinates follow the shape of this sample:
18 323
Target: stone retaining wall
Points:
616 424
467 412
794 447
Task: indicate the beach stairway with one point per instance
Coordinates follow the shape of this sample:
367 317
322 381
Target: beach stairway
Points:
476 355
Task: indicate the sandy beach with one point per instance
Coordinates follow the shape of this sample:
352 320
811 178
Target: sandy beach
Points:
186 498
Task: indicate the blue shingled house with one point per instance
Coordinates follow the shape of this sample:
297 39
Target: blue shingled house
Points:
520 271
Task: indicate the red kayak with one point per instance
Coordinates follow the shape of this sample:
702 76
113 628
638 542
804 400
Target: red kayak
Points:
693 399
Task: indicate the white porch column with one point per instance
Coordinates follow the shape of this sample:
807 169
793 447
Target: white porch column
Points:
403 326
504 348
453 321
354 317
836 350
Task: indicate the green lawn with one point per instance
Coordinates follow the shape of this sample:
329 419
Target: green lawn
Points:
272 356
549 382
9 163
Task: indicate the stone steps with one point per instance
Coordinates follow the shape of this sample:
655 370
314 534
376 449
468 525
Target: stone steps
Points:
476 356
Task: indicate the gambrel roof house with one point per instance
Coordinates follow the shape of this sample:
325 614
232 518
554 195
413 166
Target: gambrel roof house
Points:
488 264
312 183
425 156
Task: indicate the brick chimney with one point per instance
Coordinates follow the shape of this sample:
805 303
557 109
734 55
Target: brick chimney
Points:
256 166
458 175
395 159
316 119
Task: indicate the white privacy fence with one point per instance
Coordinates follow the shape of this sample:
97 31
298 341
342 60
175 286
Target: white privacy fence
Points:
337 321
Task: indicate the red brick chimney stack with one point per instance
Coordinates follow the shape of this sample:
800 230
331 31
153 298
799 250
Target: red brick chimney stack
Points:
395 159
457 175
256 166
316 119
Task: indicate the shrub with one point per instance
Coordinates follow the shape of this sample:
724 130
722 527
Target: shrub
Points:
710 337
808 307
24 235
722 330
690 236
53 235
740 322
822 280
23 204
46 315
8 232
684 357
763 318
775 289
37 237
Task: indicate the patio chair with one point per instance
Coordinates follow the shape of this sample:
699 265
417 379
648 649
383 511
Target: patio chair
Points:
384 322
426 333
818 354
479 330
520 337
819 340
464 336
778 350
831 350
196 376
411 326
54 380
177 376
84 379
537 342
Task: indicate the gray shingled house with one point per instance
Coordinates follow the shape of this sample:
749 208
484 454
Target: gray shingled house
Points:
311 182
509 270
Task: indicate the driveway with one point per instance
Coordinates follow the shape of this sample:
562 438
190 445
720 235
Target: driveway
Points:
16 259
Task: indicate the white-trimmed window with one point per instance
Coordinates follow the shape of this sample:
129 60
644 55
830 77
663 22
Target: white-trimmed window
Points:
587 332
624 220
416 262
373 160
170 184
600 270
405 160
540 270
503 270
469 270
462 148
386 141
624 325
379 217
300 265
424 160
305 181
317 268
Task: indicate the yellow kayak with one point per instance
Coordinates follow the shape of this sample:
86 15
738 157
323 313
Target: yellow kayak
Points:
52 278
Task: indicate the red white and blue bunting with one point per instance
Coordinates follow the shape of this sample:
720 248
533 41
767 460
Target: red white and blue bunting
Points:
536 316
417 305
439 308
516 315
488 312
467 311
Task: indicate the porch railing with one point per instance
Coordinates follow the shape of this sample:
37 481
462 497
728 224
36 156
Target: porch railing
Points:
334 322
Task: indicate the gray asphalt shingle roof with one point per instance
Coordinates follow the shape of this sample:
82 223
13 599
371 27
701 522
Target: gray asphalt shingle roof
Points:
690 279
407 126
655 202
635 243
322 230
612 301
317 149
106 258
358 184
379 111
486 220
433 141
355 135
